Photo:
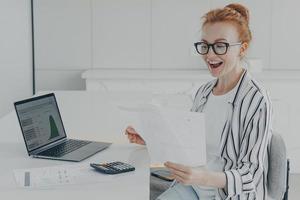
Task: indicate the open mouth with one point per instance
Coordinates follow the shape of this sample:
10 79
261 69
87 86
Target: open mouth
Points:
215 64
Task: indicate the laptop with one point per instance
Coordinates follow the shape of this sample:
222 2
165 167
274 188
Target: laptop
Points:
44 133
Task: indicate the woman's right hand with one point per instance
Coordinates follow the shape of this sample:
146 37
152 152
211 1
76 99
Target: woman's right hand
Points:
133 136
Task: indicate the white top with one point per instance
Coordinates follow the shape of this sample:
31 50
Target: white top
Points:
245 158
216 112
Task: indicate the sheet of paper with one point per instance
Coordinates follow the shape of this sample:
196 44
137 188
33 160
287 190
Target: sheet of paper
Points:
60 175
171 135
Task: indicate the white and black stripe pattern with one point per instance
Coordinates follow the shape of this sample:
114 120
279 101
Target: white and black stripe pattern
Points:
244 139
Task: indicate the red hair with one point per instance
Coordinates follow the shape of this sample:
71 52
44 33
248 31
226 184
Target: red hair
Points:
236 14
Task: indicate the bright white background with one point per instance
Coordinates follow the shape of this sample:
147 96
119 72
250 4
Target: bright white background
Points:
72 36
15 53
76 35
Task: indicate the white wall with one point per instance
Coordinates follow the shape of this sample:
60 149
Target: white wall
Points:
75 35
15 53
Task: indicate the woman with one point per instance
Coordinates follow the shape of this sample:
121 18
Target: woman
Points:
238 117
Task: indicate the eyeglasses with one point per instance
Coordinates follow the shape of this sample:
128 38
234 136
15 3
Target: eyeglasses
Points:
219 48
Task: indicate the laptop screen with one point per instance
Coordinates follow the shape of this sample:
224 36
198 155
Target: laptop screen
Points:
40 121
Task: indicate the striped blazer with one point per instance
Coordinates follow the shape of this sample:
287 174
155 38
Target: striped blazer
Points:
244 140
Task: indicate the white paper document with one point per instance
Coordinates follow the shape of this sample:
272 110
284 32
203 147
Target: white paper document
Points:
59 175
171 135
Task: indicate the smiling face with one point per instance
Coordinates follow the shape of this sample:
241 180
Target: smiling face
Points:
222 65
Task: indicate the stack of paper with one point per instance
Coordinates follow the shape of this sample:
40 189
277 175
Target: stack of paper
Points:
60 175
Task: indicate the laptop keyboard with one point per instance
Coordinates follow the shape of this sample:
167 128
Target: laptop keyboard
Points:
64 148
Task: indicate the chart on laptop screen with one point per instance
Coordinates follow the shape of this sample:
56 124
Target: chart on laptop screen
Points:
40 122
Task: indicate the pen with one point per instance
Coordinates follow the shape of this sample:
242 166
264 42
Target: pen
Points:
173 183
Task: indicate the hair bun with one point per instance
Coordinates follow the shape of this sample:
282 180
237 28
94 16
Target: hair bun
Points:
240 9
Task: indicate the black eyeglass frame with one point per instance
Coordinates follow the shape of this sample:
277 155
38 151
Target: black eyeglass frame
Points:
213 47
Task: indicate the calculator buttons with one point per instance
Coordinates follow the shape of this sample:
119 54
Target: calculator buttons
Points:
113 167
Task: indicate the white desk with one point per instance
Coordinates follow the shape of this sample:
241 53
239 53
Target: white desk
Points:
13 154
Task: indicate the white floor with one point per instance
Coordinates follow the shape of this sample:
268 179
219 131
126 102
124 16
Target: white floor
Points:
294 192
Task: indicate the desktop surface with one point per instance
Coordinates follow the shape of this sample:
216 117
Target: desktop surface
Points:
130 186
99 127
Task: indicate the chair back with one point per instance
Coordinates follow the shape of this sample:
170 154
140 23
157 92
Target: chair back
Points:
277 172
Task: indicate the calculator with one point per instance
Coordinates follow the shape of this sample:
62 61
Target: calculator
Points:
113 167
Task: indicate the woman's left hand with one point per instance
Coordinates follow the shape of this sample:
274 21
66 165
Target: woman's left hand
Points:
187 175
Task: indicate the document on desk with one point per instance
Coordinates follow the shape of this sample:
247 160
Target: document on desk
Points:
171 135
59 175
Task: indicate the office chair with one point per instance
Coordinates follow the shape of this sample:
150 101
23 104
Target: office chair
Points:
278 173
